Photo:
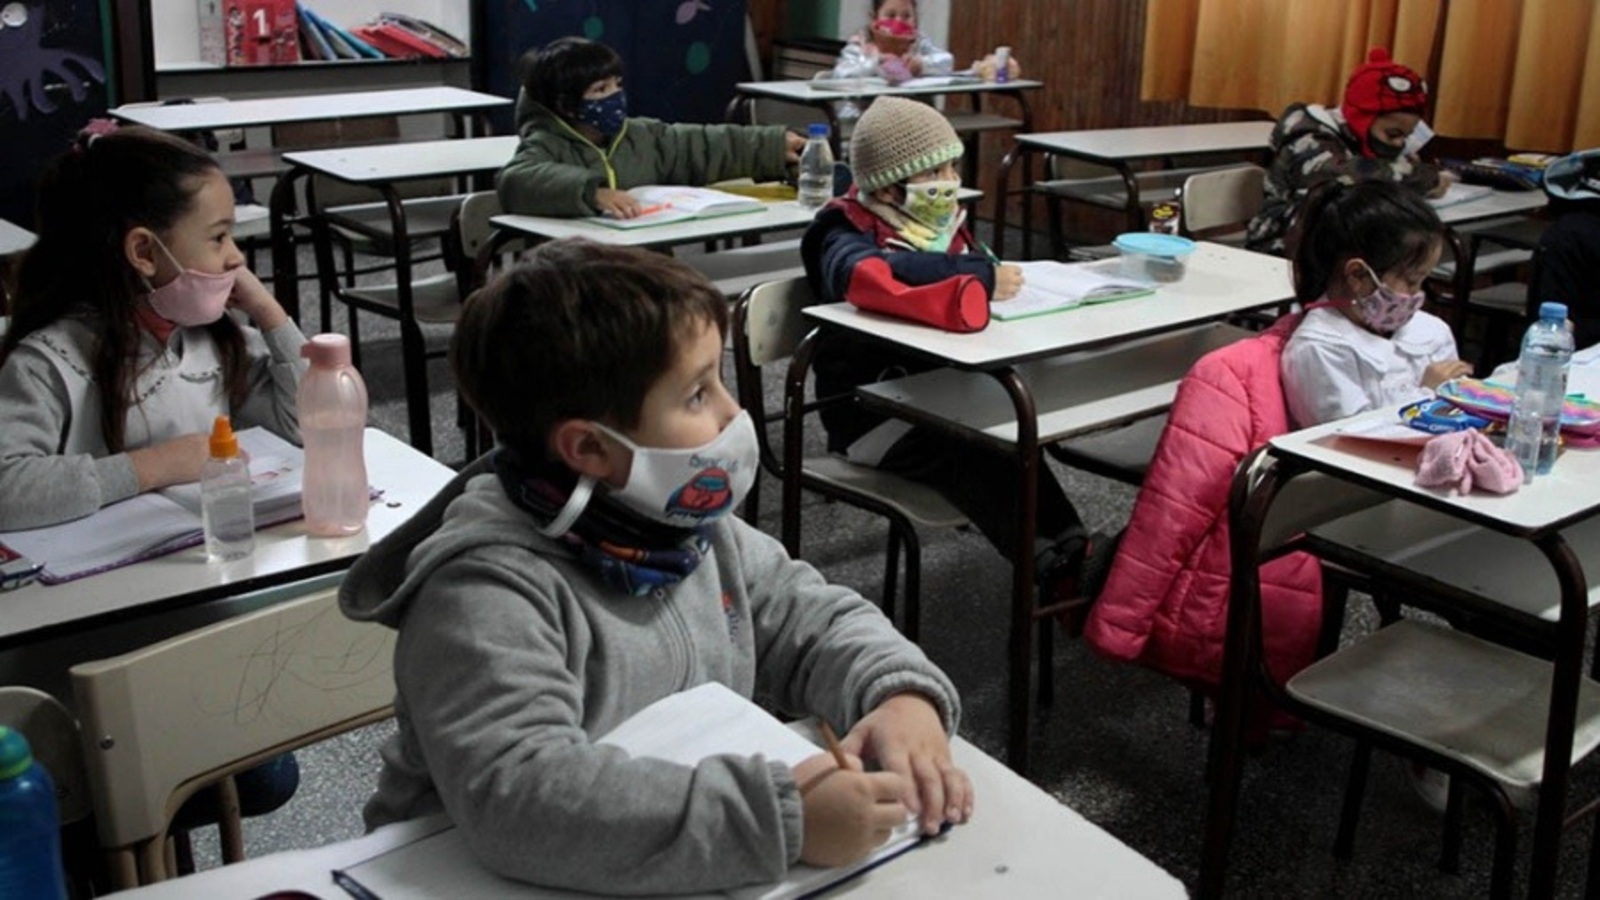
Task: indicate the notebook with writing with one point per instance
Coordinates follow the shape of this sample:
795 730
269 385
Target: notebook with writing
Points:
663 204
161 522
1049 287
684 728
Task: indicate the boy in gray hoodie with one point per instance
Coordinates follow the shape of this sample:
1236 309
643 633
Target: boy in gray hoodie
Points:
587 568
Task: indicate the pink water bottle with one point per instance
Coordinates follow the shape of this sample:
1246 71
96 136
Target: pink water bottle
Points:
333 415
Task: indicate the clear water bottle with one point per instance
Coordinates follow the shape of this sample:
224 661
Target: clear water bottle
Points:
226 508
816 169
30 828
1531 436
332 405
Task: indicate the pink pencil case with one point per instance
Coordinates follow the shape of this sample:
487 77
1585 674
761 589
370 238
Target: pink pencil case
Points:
1580 416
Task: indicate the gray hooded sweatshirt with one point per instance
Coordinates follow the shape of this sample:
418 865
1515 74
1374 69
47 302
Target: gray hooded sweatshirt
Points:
513 656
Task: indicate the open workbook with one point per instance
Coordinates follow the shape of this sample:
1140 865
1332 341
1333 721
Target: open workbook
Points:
662 204
1049 287
682 728
161 522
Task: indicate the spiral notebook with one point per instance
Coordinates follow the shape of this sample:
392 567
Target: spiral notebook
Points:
161 522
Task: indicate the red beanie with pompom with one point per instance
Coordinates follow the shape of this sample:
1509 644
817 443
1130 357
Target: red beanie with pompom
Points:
1378 86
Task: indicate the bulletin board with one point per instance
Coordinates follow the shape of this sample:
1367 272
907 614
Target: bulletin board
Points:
682 58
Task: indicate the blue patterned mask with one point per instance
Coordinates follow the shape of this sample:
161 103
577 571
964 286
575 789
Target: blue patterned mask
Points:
606 114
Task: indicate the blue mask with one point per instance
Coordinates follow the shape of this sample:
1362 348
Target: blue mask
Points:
606 114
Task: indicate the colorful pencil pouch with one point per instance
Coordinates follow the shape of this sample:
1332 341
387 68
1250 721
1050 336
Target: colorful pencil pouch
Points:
1580 416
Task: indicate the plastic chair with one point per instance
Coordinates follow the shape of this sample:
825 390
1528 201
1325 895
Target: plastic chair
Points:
767 325
1218 204
164 721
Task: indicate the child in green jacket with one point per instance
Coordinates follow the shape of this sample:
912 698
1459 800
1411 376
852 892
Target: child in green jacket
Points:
580 151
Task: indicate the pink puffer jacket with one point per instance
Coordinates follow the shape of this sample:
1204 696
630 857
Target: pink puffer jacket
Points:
1164 604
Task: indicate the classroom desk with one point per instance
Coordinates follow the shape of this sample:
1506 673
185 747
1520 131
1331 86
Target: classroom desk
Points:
1494 205
807 93
380 167
1117 149
776 217
1021 843
1220 281
1537 513
284 553
454 101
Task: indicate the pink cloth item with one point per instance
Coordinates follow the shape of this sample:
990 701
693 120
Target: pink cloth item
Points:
1464 460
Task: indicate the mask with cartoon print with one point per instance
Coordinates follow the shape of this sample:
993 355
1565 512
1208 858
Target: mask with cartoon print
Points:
1385 310
933 203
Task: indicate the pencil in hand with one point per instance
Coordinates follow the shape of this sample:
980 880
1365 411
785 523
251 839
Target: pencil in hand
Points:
832 742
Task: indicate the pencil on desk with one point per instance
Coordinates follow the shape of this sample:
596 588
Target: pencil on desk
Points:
832 741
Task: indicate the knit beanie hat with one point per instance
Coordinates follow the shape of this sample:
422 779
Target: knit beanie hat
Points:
1378 86
1574 177
896 138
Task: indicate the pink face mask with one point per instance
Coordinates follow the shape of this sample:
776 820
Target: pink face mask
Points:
193 298
1386 309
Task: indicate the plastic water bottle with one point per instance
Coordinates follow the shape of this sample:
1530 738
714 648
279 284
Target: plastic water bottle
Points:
332 404
30 827
816 169
226 509
1541 391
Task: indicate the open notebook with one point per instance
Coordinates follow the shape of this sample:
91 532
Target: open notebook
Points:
161 522
683 728
675 203
1459 192
1049 287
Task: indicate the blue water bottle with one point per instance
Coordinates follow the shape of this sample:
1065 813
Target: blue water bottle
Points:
30 828
1531 435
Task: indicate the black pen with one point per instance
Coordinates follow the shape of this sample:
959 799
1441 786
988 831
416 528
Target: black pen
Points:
351 886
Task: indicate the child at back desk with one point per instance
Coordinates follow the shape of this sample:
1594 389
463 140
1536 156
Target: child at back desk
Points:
588 568
122 349
1365 249
872 48
580 152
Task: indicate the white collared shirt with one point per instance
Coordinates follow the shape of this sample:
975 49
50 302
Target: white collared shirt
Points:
1333 368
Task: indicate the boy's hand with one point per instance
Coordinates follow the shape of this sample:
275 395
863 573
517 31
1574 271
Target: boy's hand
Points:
792 145
847 812
1007 281
1444 370
252 298
904 734
615 203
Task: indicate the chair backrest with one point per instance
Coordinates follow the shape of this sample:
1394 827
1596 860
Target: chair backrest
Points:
161 722
767 325
52 732
1222 198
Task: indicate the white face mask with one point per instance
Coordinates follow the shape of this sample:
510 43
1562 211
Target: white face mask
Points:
684 487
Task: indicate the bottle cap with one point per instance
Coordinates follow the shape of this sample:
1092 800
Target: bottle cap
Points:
327 350
15 754
817 130
223 443
1552 310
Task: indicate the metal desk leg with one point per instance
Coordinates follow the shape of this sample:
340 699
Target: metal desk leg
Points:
1002 198
1563 714
1020 642
285 265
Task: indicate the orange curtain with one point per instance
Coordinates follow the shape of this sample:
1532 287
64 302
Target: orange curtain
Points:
1526 72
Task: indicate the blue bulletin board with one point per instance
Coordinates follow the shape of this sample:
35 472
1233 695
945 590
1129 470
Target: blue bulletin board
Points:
682 57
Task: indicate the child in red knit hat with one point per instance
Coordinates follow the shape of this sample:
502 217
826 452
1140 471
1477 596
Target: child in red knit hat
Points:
1363 139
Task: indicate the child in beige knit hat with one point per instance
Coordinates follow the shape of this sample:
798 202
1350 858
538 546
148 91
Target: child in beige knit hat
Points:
897 243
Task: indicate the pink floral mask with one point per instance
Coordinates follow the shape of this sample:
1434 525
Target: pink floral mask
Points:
193 298
1386 309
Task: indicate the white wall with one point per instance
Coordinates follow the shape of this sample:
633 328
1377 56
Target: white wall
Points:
176 23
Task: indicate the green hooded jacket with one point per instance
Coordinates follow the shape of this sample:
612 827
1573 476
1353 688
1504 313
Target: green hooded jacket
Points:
556 170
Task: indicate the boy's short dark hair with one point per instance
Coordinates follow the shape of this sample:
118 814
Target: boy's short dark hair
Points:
579 330
556 75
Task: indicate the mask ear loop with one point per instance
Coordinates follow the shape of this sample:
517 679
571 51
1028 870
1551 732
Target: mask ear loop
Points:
571 510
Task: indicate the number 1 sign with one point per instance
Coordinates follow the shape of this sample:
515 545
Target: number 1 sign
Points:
249 32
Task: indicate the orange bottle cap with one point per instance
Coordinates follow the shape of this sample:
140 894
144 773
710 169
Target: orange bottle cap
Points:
223 443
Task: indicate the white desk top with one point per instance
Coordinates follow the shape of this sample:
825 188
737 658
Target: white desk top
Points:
777 216
271 110
1220 281
14 238
417 159
857 88
407 477
1156 140
1496 203
1021 843
1569 493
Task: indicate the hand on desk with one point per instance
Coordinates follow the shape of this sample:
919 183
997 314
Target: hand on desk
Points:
177 461
905 735
1007 281
848 812
1444 370
792 145
618 204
